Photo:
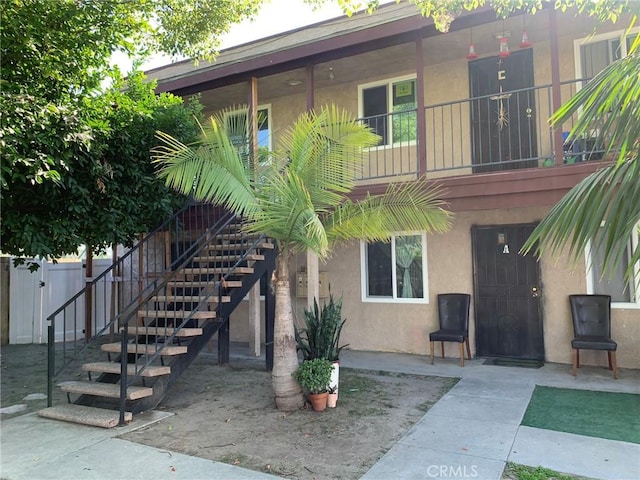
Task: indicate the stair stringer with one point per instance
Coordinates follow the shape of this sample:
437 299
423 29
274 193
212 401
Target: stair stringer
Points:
210 328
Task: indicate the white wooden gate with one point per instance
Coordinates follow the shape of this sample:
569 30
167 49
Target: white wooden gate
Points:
34 296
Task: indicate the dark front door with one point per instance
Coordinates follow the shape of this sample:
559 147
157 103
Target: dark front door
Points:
507 294
503 116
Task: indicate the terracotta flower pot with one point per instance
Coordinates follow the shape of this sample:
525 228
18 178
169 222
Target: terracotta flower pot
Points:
332 400
318 401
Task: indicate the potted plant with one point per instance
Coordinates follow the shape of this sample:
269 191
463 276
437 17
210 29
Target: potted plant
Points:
332 398
314 376
321 336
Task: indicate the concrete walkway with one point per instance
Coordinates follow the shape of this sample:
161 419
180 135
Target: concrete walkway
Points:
475 428
469 434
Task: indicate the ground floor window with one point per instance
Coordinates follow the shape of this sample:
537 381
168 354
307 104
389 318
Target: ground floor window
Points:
395 270
625 292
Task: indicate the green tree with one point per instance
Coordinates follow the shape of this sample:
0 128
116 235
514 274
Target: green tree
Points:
300 199
604 208
107 192
75 161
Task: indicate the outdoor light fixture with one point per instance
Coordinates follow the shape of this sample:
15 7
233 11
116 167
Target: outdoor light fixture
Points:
294 83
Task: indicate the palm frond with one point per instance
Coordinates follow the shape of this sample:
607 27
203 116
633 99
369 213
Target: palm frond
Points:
288 214
608 104
415 206
603 209
325 150
210 170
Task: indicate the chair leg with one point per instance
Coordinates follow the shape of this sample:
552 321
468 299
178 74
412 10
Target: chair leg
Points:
431 351
614 364
577 358
468 349
442 348
576 355
461 354
609 359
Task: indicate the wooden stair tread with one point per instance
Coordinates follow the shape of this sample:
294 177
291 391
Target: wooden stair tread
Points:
216 270
113 367
96 417
164 331
109 390
242 246
145 349
203 284
190 298
199 315
222 258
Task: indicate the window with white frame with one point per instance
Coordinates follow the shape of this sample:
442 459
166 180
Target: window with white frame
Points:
596 52
238 127
625 292
389 109
395 270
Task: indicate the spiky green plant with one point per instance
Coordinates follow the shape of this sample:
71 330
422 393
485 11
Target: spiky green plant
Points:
321 337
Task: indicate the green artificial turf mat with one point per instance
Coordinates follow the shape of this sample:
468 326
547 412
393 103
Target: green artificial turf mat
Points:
615 416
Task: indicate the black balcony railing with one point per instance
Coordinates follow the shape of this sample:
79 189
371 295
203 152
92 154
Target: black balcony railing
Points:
504 131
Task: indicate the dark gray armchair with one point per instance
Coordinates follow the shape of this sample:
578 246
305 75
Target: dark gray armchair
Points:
591 315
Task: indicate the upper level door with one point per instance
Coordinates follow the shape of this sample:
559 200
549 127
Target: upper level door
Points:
503 116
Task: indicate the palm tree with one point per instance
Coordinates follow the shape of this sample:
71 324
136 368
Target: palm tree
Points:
604 208
299 197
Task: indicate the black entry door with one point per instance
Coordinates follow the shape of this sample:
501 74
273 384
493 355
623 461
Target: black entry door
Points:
507 294
503 116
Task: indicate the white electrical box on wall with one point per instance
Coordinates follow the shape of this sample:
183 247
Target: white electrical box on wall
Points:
301 284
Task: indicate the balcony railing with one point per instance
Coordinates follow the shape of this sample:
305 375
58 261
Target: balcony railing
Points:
504 131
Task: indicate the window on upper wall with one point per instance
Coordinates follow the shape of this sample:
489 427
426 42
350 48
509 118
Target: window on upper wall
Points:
389 109
395 270
238 126
594 53
624 292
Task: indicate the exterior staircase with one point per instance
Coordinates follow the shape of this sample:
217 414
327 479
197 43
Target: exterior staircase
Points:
166 326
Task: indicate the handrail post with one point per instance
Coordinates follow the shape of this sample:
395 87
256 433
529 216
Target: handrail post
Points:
124 354
51 354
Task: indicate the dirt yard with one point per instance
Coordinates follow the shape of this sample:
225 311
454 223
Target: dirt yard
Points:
227 414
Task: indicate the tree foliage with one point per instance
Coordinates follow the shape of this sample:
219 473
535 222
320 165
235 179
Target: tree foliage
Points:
75 164
444 12
106 191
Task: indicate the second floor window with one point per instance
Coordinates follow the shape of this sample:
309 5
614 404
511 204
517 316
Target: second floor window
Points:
389 109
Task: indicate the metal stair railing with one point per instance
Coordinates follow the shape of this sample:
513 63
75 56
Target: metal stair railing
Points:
233 252
101 304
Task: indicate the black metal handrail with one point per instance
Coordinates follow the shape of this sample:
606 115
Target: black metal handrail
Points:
484 133
229 242
106 298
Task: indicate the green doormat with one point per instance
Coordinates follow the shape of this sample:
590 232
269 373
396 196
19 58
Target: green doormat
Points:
615 416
